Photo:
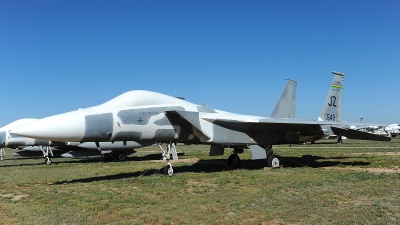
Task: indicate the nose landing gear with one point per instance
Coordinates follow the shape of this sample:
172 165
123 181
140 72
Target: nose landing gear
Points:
166 156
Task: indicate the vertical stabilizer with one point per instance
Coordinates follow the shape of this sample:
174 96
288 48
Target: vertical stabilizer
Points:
333 106
286 105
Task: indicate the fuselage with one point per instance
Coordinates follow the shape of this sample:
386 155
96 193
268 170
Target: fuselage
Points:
144 115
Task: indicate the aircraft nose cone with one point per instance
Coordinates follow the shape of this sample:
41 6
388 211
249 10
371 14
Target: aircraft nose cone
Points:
63 127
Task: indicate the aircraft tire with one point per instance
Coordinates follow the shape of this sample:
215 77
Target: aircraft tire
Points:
118 156
234 161
273 161
121 157
1 158
168 170
47 161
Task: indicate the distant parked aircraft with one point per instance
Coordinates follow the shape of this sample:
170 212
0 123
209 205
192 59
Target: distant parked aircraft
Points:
34 147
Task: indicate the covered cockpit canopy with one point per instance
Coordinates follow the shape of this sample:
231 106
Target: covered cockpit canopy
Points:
141 98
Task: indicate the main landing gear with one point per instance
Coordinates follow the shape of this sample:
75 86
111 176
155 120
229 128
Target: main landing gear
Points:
166 156
234 159
272 160
116 156
119 156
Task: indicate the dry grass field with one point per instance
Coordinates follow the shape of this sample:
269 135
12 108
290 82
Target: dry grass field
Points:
357 182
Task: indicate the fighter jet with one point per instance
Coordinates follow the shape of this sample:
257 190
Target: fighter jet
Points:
10 140
145 115
34 147
284 108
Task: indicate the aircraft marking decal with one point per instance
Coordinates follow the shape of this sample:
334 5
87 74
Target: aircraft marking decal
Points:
333 101
330 117
337 85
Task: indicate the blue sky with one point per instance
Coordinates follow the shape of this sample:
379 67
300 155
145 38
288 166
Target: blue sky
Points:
58 56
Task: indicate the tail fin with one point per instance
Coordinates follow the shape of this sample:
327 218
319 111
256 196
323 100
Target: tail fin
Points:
286 105
333 106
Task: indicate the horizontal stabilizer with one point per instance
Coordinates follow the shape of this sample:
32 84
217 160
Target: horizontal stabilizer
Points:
359 135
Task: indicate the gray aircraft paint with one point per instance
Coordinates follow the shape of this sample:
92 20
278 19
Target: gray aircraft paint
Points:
142 116
286 105
354 134
333 106
182 127
163 121
37 142
230 136
98 127
134 116
205 109
93 154
14 135
192 118
117 145
165 134
127 136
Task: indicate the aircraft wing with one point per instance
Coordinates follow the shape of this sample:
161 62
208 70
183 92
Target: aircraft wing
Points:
251 123
302 127
359 135
289 126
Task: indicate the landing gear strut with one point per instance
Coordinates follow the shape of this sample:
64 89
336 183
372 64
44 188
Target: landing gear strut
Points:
166 156
168 170
47 161
46 153
2 153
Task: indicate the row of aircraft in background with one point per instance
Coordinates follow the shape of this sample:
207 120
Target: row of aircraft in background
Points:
141 118
392 130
